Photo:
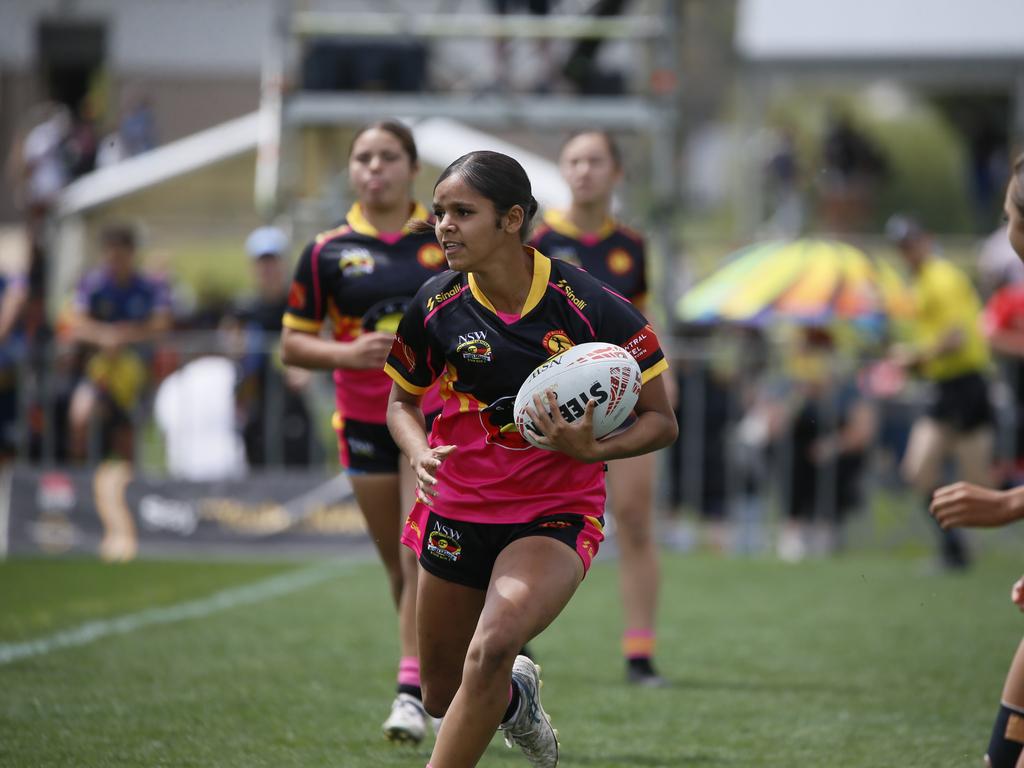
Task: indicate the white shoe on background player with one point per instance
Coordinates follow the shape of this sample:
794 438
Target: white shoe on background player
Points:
407 721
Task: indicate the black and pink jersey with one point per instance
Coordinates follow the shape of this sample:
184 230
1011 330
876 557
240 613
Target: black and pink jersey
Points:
452 332
614 255
362 280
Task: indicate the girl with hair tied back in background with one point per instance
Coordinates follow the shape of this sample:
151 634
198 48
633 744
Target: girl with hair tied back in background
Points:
361 275
588 236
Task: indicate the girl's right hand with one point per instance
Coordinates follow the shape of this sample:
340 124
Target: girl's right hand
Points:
368 351
425 465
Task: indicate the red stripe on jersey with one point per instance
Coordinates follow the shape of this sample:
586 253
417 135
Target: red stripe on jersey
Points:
575 308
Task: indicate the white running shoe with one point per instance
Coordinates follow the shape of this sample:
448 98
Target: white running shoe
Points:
530 728
407 721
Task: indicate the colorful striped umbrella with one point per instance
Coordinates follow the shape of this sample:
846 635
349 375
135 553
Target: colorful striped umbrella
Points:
806 280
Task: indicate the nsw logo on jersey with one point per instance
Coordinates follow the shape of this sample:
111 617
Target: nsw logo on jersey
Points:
474 347
355 262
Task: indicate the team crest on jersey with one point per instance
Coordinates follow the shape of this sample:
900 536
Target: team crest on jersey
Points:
431 256
443 543
566 254
556 342
297 295
498 421
474 347
355 262
619 262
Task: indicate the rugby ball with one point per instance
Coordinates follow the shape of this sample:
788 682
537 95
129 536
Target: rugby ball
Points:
593 371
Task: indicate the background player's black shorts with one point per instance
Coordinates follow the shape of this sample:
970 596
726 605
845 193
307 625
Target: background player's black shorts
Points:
365 448
464 552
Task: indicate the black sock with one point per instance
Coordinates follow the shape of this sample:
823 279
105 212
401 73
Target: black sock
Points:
413 690
513 704
641 664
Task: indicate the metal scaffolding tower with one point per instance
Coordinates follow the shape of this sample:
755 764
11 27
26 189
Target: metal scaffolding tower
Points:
651 112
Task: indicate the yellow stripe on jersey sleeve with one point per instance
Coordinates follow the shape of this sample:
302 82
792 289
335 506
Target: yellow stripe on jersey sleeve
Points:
401 381
658 368
297 323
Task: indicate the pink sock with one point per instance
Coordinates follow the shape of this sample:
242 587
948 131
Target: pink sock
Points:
409 671
638 643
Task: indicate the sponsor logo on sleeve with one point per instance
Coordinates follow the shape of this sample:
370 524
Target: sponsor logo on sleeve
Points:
619 262
297 295
643 344
431 256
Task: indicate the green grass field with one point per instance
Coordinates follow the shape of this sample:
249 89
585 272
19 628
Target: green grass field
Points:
859 661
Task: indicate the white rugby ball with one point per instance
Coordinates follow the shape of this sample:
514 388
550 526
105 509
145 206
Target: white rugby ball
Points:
593 371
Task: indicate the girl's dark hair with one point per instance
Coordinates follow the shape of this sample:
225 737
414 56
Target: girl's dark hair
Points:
396 129
500 179
613 146
1017 195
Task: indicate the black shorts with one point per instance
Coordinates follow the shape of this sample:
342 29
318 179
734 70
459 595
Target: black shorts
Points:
365 448
962 403
464 552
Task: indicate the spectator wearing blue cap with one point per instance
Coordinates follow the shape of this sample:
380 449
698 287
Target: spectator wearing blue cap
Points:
276 425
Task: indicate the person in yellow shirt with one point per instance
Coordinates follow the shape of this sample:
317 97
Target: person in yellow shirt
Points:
948 350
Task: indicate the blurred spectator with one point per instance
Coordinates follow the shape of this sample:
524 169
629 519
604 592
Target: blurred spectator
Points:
13 295
82 142
135 132
117 311
44 169
1003 322
785 207
276 425
853 168
829 426
503 66
195 410
998 264
949 352
581 67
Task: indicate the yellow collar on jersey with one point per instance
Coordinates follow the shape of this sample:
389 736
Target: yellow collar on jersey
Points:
359 223
559 221
541 275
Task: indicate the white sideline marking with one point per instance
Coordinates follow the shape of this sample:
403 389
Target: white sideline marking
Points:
194 609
